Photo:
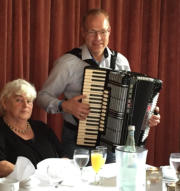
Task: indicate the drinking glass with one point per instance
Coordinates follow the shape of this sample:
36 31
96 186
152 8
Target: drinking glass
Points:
104 151
174 161
97 162
81 158
54 175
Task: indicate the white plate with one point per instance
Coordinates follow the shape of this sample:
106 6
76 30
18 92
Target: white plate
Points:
59 162
61 166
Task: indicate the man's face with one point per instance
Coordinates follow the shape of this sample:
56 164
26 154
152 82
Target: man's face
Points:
96 34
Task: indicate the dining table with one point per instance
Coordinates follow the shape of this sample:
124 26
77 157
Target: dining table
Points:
71 179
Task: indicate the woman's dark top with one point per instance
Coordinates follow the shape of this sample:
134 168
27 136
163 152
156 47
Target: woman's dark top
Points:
44 145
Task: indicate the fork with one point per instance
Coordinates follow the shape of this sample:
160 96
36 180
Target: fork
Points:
58 183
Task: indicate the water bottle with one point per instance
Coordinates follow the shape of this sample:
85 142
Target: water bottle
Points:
127 177
130 142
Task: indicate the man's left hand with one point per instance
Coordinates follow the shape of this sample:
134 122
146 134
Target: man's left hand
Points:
155 119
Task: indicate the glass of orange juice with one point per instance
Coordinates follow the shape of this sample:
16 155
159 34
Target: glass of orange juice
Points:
97 162
104 150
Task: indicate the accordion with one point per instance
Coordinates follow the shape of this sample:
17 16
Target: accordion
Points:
117 99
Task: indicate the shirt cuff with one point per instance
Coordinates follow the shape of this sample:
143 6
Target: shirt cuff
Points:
60 109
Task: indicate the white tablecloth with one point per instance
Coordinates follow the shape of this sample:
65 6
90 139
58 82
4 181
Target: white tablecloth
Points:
70 177
71 180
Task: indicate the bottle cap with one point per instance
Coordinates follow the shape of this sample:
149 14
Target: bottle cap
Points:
131 128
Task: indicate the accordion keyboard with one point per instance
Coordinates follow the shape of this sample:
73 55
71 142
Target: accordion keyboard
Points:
97 98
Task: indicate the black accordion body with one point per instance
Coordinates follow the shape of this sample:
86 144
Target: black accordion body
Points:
117 99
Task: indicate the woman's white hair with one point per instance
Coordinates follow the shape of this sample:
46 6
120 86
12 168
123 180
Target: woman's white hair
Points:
18 87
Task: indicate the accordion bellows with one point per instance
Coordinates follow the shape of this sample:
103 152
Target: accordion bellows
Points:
117 99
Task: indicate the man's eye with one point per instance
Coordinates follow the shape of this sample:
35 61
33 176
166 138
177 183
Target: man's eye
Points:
92 32
103 32
18 100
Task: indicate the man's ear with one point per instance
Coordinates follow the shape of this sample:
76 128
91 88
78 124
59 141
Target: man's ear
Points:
109 29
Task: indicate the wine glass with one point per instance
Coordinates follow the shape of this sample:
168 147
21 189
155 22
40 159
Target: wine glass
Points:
175 164
97 162
54 175
81 158
104 151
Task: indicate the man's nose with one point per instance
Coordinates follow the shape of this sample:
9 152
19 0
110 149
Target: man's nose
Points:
98 35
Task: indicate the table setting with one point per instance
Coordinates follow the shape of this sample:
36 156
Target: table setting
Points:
62 174
75 175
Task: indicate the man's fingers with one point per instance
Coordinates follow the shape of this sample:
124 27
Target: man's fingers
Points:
156 111
78 98
81 116
154 120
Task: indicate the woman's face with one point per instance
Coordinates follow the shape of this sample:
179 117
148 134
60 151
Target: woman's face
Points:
18 107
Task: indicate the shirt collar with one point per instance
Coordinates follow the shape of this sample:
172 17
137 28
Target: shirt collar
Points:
86 54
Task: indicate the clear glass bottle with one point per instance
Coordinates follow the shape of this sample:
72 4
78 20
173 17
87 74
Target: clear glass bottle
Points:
130 142
130 162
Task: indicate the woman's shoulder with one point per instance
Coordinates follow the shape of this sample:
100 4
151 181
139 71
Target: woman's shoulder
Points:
2 124
40 128
38 124
4 131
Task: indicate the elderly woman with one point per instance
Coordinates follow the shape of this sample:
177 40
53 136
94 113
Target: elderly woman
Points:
19 135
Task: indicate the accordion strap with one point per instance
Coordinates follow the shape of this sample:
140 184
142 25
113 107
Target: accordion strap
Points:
78 52
113 59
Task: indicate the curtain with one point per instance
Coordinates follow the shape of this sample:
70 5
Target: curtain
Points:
34 33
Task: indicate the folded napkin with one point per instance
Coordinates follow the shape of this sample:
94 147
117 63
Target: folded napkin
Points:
168 173
22 172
